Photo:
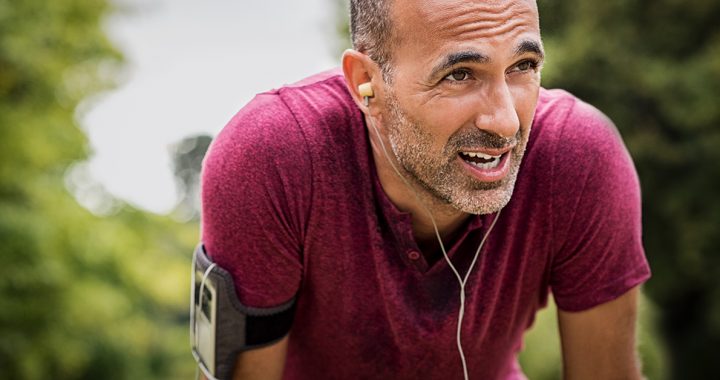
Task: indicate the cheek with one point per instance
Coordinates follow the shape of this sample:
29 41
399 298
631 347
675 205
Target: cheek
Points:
437 121
525 98
443 117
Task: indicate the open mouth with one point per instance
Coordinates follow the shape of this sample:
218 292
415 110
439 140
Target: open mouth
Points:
481 160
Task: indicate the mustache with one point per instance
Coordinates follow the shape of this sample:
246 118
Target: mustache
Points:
480 138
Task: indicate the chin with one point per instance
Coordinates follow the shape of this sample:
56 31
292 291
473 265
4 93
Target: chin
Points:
484 201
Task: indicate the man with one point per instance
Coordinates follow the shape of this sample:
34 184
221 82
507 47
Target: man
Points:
418 207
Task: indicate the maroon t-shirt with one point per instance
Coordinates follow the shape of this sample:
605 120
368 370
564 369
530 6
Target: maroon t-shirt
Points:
292 207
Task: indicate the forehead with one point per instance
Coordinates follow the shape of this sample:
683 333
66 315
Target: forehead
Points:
436 25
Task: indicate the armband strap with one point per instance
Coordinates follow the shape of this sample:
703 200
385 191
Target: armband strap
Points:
221 326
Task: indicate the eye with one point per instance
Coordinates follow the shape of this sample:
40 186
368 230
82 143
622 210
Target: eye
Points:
526 65
458 76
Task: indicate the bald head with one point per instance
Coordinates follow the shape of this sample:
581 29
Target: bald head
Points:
373 24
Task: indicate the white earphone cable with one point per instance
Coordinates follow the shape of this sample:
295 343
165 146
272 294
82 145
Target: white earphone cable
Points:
462 281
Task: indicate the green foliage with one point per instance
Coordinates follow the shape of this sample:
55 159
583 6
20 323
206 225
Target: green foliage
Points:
541 357
187 157
81 296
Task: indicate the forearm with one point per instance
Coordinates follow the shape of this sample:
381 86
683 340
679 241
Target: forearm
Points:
265 363
600 343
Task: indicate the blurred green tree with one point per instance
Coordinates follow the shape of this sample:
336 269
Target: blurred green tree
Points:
81 296
187 156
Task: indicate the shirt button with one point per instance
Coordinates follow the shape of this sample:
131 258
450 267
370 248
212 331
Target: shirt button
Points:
413 255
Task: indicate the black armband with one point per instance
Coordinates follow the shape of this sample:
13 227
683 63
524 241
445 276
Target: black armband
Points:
221 326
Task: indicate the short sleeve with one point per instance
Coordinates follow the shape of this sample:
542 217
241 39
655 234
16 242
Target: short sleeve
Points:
598 251
255 196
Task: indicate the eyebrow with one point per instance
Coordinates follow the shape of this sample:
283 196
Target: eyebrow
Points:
459 57
529 46
470 56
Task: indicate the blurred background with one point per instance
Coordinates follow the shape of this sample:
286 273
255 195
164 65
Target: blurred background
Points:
108 106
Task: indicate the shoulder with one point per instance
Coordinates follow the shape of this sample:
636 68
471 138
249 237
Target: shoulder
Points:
282 110
568 117
259 184
253 140
261 155
271 128
275 142
593 181
594 190
321 103
581 138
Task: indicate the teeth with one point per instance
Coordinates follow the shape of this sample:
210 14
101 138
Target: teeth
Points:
488 165
480 155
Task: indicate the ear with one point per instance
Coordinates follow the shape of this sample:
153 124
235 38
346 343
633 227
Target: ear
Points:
359 69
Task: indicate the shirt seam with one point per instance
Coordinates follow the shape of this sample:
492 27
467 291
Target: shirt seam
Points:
553 180
305 85
609 292
309 211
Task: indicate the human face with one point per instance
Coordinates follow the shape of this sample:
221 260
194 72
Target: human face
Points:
464 86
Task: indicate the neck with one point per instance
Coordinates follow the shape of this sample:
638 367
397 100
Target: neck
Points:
417 201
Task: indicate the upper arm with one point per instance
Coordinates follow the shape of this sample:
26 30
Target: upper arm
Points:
599 343
597 231
598 259
255 202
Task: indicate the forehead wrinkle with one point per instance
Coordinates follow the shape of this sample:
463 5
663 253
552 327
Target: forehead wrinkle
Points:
477 30
482 14
440 25
465 18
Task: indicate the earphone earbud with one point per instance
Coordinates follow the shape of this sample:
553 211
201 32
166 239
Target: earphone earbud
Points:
366 91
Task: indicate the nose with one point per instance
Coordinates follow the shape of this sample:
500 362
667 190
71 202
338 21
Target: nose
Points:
497 114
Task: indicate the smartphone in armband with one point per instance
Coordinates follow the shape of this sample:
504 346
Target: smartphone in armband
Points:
205 311
221 326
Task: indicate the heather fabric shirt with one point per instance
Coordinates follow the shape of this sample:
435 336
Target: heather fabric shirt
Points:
292 207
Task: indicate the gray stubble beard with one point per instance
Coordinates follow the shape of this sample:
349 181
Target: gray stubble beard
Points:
441 180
